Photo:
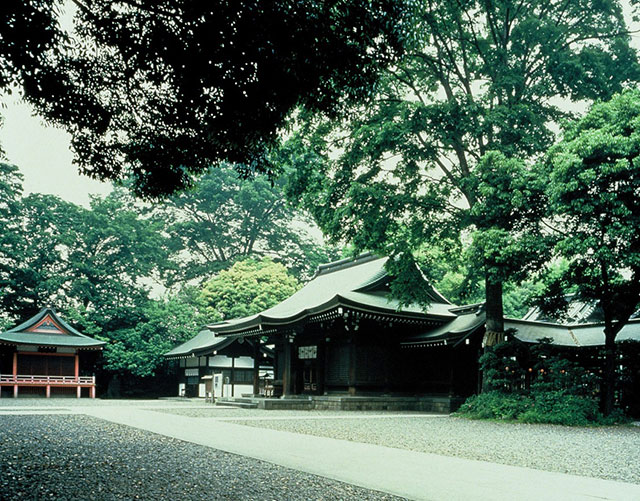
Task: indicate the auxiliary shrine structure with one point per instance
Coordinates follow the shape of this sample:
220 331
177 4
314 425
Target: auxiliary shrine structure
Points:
45 356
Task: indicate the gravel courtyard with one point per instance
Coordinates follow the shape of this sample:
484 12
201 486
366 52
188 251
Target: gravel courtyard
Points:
75 457
607 452
52 450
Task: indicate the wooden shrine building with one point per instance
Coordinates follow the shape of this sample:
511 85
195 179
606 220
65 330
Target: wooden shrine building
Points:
343 335
45 356
222 366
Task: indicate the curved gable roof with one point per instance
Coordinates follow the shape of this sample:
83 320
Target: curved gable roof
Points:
355 283
46 328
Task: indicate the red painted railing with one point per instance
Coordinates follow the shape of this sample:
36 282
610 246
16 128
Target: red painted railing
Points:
47 380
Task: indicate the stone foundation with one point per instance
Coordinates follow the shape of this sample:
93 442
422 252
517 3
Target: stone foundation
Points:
435 403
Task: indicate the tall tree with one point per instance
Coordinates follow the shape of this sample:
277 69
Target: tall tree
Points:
38 274
248 287
475 99
10 194
161 324
115 254
594 195
225 218
160 90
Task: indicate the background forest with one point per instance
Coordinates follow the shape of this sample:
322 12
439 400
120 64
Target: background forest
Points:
146 277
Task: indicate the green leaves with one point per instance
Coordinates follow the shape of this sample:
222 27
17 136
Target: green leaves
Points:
163 323
448 146
158 91
594 193
248 287
225 218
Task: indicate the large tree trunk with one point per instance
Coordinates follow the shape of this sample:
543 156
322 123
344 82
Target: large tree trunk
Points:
494 324
607 394
494 332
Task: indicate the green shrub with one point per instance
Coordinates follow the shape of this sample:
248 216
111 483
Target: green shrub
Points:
557 407
494 405
536 385
552 407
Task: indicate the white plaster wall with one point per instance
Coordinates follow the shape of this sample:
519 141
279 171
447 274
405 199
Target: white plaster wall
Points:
192 362
239 389
244 363
219 361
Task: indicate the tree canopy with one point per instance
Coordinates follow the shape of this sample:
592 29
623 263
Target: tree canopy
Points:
594 189
457 124
99 265
158 91
248 287
225 218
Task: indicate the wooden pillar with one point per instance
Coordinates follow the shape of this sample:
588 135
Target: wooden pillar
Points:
15 364
387 360
77 367
78 391
286 373
232 378
48 391
320 357
256 367
15 391
93 392
352 365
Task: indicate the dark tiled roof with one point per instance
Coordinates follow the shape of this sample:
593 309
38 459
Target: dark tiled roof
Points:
345 283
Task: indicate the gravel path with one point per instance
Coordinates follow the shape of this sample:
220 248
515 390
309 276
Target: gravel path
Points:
608 452
74 457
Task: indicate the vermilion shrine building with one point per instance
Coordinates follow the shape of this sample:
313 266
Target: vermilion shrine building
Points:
45 356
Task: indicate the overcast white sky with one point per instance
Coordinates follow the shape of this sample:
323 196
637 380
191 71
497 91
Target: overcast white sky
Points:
42 152
43 155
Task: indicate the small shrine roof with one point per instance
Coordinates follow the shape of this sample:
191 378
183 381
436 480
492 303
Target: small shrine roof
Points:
46 328
204 340
470 320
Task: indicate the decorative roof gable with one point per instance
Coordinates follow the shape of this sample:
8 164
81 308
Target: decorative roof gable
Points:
47 326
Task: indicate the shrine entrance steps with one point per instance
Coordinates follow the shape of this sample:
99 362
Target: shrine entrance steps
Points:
431 403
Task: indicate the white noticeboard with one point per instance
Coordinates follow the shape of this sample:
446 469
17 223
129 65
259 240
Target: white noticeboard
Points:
217 385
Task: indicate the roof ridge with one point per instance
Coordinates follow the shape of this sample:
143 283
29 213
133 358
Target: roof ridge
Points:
342 264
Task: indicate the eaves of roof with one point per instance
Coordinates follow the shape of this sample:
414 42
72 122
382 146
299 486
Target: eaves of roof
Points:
358 302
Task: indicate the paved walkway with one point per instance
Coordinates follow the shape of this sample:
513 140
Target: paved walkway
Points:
405 473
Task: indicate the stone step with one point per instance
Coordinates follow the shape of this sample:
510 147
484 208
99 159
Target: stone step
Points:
242 403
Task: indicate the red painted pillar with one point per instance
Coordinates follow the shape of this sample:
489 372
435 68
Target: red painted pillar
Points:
93 392
48 391
15 373
78 391
77 367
